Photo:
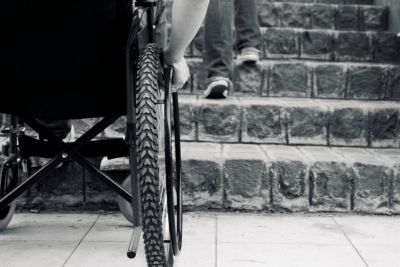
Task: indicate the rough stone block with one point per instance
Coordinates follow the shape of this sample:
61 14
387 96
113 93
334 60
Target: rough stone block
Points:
371 178
387 47
329 81
248 79
218 120
296 16
197 76
287 172
281 43
289 79
202 183
392 157
347 17
187 107
268 14
330 180
316 44
244 166
115 130
263 121
373 18
383 125
83 125
394 83
348 125
307 121
322 16
367 82
353 46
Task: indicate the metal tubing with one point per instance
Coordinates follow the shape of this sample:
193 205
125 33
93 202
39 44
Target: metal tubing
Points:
134 244
44 171
102 177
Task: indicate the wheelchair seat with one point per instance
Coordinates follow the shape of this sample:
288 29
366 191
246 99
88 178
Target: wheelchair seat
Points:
63 59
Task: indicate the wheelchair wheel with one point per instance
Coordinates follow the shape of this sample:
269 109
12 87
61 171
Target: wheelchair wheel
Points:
150 132
8 181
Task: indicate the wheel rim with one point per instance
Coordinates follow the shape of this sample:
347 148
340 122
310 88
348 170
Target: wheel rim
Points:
7 183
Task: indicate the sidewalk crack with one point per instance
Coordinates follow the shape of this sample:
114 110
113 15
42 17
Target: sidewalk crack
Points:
351 242
80 241
216 241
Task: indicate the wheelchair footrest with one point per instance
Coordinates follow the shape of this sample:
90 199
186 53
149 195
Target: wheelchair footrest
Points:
111 148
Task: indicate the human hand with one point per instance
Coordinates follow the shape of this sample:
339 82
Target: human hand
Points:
181 72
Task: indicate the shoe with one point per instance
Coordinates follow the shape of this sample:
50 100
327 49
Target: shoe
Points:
218 88
249 55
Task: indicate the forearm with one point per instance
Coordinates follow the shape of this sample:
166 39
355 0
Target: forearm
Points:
187 16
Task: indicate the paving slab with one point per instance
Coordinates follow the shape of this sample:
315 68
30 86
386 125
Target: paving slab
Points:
210 240
44 227
35 253
309 230
287 255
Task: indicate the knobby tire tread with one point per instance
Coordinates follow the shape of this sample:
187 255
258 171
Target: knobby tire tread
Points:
147 148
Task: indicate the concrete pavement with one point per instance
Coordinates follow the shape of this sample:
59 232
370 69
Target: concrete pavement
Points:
210 239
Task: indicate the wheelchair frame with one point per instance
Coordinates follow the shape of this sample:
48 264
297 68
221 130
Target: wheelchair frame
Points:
75 151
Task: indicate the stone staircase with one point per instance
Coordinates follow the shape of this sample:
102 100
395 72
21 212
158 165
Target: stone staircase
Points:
314 126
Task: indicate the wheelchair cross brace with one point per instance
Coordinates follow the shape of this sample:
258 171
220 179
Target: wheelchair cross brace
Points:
67 152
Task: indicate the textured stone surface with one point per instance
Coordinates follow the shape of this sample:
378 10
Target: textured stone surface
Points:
263 121
187 107
371 181
373 18
387 47
218 120
316 45
347 17
268 14
330 180
249 79
197 76
329 81
281 43
244 166
288 79
202 175
392 157
394 83
323 16
296 16
348 126
287 175
353 46
366 82
307 122
383 125
83 125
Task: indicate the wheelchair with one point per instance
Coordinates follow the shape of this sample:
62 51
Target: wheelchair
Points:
75 59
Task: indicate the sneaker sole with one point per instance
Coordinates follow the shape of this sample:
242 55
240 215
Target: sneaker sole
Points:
217 92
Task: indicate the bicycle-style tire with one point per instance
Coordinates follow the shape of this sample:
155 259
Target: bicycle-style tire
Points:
8 177
149 134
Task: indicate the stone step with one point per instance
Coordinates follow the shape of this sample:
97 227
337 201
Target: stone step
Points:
324 45
290 121
287 178
323 16
339 2
313 79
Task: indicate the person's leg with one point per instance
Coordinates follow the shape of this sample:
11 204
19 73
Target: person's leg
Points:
248 33
218 39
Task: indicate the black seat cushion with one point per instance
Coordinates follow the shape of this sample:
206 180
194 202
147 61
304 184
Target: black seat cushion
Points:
63 59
